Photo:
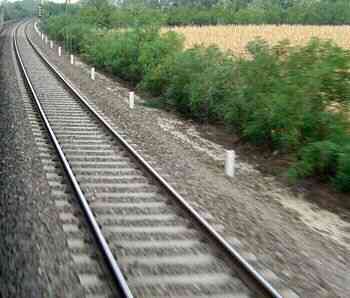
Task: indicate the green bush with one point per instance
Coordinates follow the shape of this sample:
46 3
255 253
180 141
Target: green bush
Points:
319 158
117 52
133 53
154 51
101 17
287 105
342 178
68 30
174 77
327 160
55 27
211 89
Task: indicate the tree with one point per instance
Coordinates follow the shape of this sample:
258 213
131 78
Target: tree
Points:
234 4
98 4
19 9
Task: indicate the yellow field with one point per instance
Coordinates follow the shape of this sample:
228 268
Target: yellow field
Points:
236 37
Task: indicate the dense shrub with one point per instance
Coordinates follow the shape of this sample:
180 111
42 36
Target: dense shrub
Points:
196 81
342 177
131 53
325 159
173 78
67 29
154 51
287 105
101 17
117 52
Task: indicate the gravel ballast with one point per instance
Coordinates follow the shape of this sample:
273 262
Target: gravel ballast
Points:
34 259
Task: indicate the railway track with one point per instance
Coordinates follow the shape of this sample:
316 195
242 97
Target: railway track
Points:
148 241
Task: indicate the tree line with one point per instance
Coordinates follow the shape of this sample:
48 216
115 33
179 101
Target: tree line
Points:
19 9
210 12
194 12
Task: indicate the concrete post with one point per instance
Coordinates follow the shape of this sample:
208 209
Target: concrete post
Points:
230 163
93 73
131 100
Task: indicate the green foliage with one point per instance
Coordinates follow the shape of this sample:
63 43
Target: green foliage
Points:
137 16
157 49
287 105
141 13
56 26
132 53
212 88
18 9
342 178
195 81
325 159
119 52
63 27
318 158
57 9
332 12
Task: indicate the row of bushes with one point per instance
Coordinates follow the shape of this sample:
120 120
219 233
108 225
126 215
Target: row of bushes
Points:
294 99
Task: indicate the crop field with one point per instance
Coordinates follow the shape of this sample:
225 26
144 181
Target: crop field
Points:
236 37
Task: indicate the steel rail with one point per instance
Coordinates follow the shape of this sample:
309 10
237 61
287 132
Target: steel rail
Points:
252 274
112 263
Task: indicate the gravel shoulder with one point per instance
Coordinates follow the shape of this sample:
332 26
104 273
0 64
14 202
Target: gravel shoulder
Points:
305 245
34 259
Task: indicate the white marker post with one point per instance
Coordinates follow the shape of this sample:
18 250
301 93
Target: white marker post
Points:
230 159
71 59
131 100
59 51
51 44
46 40
93 73
42 36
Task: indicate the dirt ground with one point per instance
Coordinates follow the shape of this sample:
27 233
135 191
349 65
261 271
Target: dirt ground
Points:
301 233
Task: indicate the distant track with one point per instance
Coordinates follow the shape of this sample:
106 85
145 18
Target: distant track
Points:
154 243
